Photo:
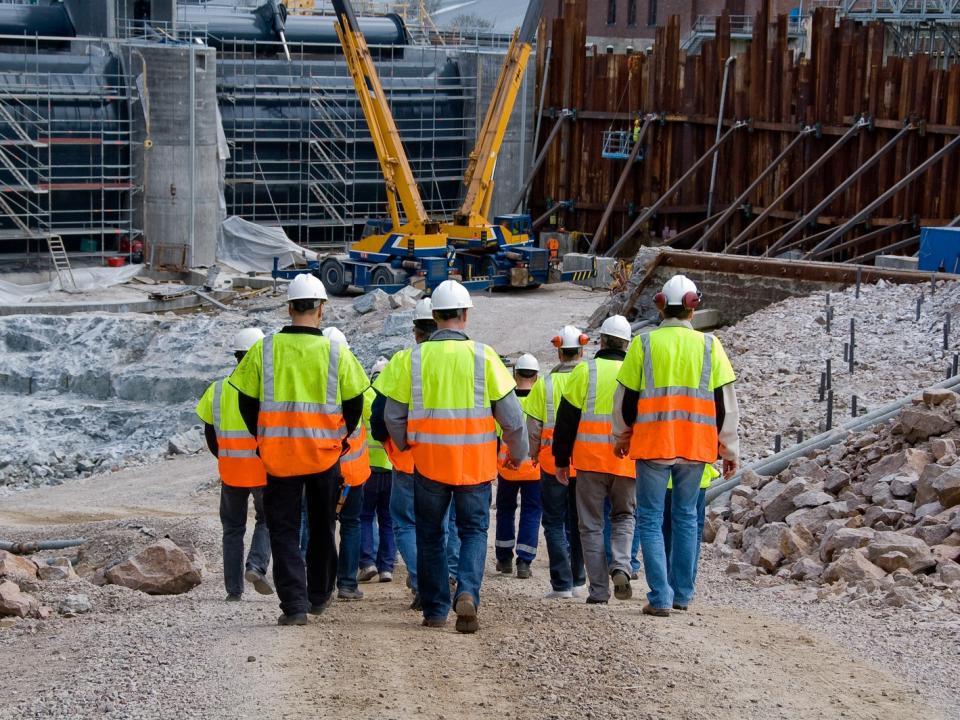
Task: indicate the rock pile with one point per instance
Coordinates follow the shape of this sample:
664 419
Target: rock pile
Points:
875 515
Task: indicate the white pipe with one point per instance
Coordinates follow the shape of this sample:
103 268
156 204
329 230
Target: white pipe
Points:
716 155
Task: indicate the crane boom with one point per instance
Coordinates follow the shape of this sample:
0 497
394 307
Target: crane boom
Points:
400 182
478 177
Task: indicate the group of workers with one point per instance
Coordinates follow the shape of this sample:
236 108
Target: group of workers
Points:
610 454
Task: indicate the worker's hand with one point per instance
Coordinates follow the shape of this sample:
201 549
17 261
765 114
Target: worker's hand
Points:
622 448
730 468
563 475
344 447
535 460
512 464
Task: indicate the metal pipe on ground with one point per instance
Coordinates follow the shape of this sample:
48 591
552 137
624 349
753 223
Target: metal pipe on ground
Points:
26 548
779 462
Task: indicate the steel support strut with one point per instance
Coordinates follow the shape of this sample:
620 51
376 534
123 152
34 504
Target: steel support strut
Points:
564 116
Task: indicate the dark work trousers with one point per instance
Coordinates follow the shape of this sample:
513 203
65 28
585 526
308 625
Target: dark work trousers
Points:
297 587
234 502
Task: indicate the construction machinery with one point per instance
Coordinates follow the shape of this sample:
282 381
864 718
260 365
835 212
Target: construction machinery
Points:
409 245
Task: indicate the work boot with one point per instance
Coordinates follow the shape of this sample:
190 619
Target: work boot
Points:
319 608
349 594
558 595
259 581
678 606
233 597
656 612
294 619
523 569
621 585
579 591
416 604
591 600
434 622
505 567
386 576
635 575
367 574
466 609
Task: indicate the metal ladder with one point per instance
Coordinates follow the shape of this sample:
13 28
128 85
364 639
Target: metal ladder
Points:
61 263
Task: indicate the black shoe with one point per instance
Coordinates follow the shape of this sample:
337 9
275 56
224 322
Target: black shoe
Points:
505 567
595 601
635 575
416 604
434 622
259 581
233 598
621 585
678 606
466 609
295 619
350 594
523 569
319 609
656 612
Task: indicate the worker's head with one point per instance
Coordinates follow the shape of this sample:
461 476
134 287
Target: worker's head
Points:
678 299
378 367
615 333
450 303
570 343
244 340
525 371
335 335
305 298
423 323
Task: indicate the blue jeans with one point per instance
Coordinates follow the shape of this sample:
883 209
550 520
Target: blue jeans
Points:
349 558
431 501
525 537
701 517
562 533
380 552
669 582
405 528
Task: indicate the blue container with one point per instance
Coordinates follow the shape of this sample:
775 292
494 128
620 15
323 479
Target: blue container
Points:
939 249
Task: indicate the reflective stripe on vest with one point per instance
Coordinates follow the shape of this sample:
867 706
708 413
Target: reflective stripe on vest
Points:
355 464
593 449
675 421
237 458
455 446
545 456
299 438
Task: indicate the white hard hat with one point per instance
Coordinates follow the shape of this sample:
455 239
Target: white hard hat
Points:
246 339
569 338
335 335
423 310
527 362
451 295
306 287
616 326
678 291
379 365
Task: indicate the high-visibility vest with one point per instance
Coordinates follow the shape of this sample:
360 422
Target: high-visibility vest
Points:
526 471
455 443
676 412
593 449
237 458
299 438
355 463
378 455
710 473
402 460
553 391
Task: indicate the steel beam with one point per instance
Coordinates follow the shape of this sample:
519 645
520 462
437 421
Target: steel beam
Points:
899 245
564 116
873 234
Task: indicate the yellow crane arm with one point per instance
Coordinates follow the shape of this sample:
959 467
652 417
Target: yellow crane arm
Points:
383 129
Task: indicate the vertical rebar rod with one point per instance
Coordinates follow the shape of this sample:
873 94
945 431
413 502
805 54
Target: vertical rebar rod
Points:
829 373
777 443
853 344
830 410
919 305
956 363
846 352
823 386
946 332
799 436
853 406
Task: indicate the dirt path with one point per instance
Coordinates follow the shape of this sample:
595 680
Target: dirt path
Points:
195 656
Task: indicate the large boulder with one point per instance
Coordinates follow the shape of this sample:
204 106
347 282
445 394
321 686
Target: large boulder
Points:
919 422
812 498
947 487
58 569
933 397
16 567
15 602
918 554
844 538
925 492
852 567
377 300
780 502
159 569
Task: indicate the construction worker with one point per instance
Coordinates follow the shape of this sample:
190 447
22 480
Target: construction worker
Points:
675 411
567 576
355 468
445 400
636 131
523 481
582 433
376 501
241 476
303 396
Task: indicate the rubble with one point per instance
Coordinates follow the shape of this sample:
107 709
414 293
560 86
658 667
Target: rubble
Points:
162 568
15 602
75 605
17 568
58 569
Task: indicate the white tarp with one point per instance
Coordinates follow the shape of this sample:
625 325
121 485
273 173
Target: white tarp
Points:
87 279
248 247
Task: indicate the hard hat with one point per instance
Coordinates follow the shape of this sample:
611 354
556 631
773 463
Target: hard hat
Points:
379 365
569 338
527 362
616 326
246 339
451 295
678 291
335 335
423 310
306 287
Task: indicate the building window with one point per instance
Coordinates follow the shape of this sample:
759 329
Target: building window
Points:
611 12
631 12
651 13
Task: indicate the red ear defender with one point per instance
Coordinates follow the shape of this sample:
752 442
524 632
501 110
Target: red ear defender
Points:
584 339
691 300
660 300
557 341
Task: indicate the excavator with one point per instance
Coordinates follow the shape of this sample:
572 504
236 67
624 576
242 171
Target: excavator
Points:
412 246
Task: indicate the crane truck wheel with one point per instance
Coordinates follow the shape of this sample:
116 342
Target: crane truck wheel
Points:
381 276
334 276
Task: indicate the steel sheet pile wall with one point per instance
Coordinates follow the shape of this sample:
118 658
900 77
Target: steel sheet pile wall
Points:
778 91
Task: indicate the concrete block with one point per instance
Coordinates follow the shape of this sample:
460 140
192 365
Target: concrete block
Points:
706 319
897 262
582 261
